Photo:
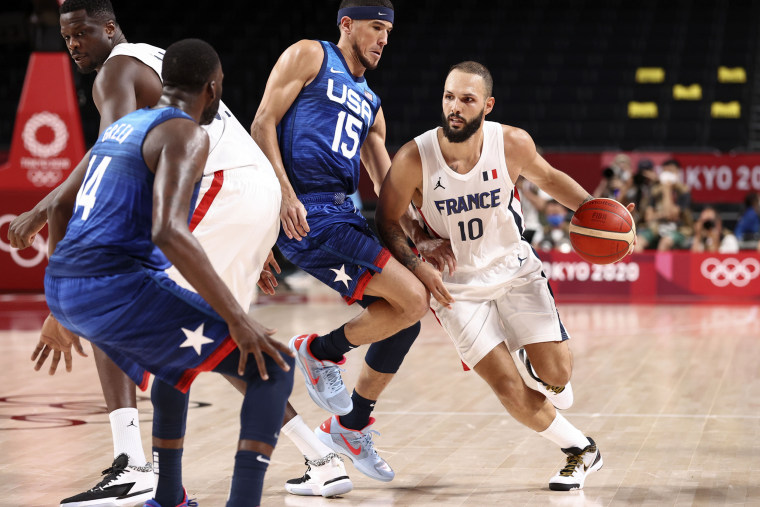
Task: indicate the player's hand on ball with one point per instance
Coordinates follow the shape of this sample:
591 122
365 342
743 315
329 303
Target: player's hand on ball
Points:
253 338
293 217
438 252
432 280
267 281
23 229
56 338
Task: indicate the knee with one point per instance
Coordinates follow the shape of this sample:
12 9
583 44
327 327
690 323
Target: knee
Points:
513 393
555 374
417 304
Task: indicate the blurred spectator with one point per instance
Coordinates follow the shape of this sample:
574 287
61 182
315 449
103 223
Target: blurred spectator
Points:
615 179
556 235
532 201
710 236
667 221
748 226
640 190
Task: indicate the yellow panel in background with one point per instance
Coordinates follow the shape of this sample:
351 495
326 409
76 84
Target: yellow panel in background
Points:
731 109
642 109
732 75
691 92
650 75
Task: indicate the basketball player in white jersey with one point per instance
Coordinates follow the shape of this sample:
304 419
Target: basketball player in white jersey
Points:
236 219
490 294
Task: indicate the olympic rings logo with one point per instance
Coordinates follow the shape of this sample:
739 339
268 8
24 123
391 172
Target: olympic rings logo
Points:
45 119
39 244
730 271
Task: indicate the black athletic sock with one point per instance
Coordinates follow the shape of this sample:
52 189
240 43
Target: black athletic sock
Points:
358 418
332 345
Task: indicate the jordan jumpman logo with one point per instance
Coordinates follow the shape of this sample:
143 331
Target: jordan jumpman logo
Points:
521 259
132 423
437 185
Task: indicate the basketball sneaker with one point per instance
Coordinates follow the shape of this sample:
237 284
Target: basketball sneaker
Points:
322 377
580 463
325 476
559 396
185 503
123 485
357 445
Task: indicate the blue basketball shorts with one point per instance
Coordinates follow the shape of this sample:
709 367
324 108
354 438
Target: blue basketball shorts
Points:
341 250
144 322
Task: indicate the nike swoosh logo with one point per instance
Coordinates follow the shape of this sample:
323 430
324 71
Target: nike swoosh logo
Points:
354 450
336 71
381 14
262 459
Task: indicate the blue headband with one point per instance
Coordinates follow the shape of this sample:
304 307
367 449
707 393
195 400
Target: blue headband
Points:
367 12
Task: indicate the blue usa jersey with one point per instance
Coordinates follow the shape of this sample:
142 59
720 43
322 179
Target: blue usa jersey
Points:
322 133
110 230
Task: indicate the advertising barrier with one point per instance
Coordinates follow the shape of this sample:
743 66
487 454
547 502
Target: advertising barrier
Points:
677 276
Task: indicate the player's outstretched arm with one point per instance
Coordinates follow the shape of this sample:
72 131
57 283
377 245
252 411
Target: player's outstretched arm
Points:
297 66
402 181
522 158
177 150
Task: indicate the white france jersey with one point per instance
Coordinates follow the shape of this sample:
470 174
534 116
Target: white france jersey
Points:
231 145
479 212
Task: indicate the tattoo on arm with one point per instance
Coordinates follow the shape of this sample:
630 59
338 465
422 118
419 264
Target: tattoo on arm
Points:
395 240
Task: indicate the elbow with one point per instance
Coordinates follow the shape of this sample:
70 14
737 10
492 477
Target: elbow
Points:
161 234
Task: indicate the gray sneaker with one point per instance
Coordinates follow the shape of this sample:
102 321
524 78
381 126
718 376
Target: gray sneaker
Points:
322 377
357 445
560 396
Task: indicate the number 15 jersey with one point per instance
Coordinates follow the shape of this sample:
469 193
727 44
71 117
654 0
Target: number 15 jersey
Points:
322 133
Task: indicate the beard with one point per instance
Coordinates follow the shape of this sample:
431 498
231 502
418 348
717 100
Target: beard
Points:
208 114
465 132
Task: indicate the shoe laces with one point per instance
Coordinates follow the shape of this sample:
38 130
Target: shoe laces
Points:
365 440
554 389
111 474
575 461
332 378
322 461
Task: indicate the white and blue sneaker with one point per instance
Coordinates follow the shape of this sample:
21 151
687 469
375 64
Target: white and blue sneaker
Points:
357 446
580 463
322 377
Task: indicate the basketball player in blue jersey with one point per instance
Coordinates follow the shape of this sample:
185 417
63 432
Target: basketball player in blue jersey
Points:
239 190
317 119
490 294
130 221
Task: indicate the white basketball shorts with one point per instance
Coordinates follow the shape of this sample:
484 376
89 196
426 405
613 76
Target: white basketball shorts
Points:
522 314
236 220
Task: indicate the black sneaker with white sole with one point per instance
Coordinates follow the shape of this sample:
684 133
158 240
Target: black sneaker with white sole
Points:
123 486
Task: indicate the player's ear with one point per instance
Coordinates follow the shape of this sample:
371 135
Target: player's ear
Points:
110 28
490 101
346 24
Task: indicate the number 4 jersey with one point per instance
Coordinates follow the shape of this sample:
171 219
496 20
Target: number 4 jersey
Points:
110 230
322 133
479 212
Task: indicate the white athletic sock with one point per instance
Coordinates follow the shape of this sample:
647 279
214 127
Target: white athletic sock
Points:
305 439
564 434
125 428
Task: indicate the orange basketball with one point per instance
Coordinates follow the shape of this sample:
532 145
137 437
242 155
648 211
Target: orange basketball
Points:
602 231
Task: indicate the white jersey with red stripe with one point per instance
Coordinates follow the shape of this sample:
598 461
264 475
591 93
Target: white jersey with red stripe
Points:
231 145
479 212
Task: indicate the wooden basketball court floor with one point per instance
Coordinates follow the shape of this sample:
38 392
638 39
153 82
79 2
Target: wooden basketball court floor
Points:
671 393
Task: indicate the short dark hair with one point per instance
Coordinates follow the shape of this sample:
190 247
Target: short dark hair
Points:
478 69
365 3
188 64
672 161
98 9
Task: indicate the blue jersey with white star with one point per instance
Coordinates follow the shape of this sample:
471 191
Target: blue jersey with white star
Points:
110 230
322 133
